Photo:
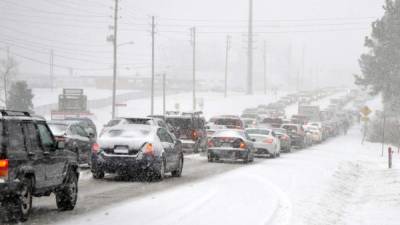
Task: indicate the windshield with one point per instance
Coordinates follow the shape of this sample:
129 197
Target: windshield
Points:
138 133
183 123
258 131
58 129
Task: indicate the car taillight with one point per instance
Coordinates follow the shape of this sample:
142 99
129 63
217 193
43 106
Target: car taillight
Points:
210 144
285 137
242 145
149 149
95 148
195 135
4 168
269 141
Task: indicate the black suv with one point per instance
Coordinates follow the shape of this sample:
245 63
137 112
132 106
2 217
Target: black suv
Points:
32 163
190 129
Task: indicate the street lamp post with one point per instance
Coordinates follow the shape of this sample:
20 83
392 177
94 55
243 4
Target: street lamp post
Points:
114 87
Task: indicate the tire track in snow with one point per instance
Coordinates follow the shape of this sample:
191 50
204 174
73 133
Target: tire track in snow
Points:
283 212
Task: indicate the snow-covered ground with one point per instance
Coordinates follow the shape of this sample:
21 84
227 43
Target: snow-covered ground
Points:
338 182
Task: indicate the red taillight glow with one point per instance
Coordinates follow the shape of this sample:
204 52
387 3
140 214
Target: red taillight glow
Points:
148 149
242 145
210 144
4 168
269 140
194 135
285 137
95 148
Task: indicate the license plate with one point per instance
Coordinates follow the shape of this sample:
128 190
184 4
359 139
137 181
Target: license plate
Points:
121 150
227 145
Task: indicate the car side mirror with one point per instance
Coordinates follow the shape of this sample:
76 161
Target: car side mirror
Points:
253 140
60 145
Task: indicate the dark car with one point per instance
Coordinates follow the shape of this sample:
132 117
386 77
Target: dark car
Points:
296 133
33 163
86 123
137 150
190 128
230 144
75 137
286 142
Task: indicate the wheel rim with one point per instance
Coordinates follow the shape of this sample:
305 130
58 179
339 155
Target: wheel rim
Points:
25 199
73 189
180 165
162 169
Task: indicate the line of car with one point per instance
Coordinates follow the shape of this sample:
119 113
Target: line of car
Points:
38 158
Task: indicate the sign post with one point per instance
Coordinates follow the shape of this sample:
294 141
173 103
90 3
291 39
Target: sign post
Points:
365 112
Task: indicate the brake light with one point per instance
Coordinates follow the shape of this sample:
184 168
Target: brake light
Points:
148 149
194 135
210 144
269 141
242 145
4 168
285 137
95 148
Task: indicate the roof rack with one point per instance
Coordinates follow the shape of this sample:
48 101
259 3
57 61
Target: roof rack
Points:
14 113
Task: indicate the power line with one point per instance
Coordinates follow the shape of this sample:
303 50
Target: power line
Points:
51 12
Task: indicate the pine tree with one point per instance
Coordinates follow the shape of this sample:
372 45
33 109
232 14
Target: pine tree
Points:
20 97
381 65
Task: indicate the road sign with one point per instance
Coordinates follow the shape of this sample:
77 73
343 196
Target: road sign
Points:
365 119
365 111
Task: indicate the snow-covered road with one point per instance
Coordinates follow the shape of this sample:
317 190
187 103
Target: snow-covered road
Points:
338 182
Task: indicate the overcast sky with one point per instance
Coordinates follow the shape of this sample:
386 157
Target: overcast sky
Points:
331 32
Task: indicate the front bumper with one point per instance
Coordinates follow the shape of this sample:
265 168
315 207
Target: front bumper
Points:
110 163
228 153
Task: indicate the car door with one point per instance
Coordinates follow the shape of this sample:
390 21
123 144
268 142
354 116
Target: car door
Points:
35 153
83 142
55 159
168 148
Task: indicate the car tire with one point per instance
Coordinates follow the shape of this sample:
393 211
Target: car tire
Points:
20 208
66 198
160 172
98 174
178 171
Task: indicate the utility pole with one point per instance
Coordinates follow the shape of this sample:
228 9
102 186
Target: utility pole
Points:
265 67
194 66
303 75
249 90
114 87
153 26
164 92
5 77
228 40
51 69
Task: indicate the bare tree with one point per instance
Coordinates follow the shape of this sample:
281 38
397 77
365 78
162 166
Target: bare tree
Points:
8 69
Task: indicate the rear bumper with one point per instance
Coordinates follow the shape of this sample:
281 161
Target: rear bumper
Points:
124 164
9 189
228 153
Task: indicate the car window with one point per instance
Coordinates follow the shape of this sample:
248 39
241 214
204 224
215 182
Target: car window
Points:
46 138
112 123
80 131
31 137
15 136
164 136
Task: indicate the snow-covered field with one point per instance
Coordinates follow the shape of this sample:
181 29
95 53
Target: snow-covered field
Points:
338 182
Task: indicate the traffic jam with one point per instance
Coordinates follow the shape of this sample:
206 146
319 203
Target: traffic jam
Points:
149 149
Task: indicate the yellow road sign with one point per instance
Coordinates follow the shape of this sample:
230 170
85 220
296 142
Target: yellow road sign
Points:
366 111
